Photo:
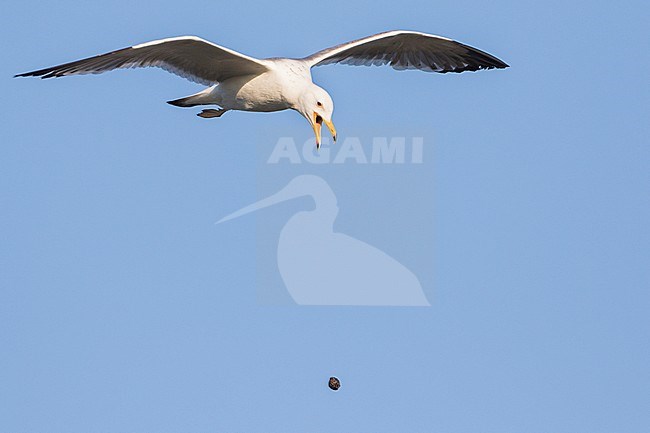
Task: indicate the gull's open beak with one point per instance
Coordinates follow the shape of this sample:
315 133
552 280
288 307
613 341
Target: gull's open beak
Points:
317 125
332 129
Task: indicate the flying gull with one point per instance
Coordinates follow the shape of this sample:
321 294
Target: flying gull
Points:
240 82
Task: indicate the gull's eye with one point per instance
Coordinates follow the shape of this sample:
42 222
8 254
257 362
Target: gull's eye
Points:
319 104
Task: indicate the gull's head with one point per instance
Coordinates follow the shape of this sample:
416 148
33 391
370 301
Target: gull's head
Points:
316 105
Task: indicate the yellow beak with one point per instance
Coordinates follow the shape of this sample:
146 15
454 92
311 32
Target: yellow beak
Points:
332 129
317 124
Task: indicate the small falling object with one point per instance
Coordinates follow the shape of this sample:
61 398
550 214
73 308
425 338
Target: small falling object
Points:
334 383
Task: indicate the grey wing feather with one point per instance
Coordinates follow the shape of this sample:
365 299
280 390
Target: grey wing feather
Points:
408 50
187 56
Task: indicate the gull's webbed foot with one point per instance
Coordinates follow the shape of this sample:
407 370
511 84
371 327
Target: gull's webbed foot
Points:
210 113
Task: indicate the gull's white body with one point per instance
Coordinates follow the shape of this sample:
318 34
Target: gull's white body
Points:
277 89
239 82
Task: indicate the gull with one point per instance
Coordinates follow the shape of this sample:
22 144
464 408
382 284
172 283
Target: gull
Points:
239 82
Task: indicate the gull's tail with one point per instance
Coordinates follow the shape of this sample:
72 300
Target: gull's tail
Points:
204 97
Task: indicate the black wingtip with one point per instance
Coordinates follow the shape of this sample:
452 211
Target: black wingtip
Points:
41 73
30 74
492 62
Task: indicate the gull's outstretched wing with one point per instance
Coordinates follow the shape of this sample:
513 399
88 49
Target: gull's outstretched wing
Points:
408 50
187 56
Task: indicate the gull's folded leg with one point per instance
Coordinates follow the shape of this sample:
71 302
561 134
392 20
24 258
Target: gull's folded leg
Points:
209 113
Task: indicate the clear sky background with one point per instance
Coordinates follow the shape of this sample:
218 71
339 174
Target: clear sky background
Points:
123 308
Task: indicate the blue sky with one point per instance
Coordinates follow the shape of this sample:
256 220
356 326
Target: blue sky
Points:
123 308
